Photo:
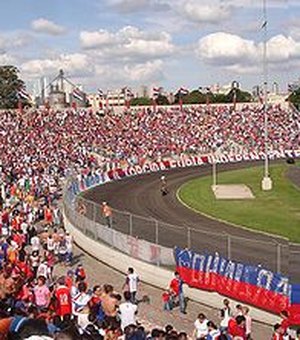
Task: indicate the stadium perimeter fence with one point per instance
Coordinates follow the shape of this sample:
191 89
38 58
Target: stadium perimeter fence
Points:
153 241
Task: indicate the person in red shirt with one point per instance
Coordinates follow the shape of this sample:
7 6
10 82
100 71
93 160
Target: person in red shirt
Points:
80 273
278 332
63 305
176 290
237 327
167 300
285 323
175 285
69 279
96 297
48 215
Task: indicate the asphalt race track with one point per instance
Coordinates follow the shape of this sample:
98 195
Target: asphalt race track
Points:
141 196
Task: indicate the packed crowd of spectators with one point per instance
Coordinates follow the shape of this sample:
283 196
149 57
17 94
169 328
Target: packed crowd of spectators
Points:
38 150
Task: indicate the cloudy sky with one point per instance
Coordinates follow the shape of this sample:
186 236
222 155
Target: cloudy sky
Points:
172 43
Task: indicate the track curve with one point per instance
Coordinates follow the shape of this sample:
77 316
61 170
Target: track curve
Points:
141 196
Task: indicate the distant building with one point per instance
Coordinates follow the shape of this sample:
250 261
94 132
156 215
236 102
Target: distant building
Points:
111 98
57 97
143 91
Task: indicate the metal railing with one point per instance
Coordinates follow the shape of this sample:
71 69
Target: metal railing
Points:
275 255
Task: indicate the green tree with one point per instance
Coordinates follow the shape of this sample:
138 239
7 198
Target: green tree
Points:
241 96
162 100
194 97
141 101
294 98
10 84
220 98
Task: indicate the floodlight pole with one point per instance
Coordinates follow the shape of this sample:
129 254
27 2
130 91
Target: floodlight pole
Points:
266 183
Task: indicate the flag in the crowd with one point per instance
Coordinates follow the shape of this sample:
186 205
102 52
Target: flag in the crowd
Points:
23 94
156 91
264 25
78 94
292 87
127 92
200 89
100 93
261 96
182 91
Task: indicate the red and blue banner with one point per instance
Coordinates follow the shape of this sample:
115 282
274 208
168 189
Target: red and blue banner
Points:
294 309
253 285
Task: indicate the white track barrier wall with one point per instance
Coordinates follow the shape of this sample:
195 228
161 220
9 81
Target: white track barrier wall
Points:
153 275
132 246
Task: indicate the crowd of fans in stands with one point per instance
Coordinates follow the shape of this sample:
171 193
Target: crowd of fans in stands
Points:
38 150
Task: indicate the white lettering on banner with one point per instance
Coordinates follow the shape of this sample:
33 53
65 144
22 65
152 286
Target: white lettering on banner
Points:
162 166
198 262
181 259
283 286
283 155
132 172
254 156
262 155
154 167
229 271
215 263
222 266
173 164
224 159
264 279
210 159
139 170
197 160
116 175
146 167
272 154
246 157
189 162
207 270
208 263
238 272
238 157
297 153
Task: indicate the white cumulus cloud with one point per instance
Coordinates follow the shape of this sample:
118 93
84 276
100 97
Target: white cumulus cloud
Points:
225 48
128 42
46 26
76 64
205 13
245 56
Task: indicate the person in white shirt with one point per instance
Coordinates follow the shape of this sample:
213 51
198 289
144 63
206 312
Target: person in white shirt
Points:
213 332
225 314
69 245
131 284
248 321
127 311
43 270
50 243
201 328
35 243
81 299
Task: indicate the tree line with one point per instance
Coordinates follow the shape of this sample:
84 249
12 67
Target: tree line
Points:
11 83
197 97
